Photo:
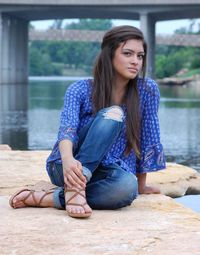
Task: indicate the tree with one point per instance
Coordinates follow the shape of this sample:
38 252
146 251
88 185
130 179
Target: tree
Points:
170 59
57 24
90 24
45 57
190 29
41 64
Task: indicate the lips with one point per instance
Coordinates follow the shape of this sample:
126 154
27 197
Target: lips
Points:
133 70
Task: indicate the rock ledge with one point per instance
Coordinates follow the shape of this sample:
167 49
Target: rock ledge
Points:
153 224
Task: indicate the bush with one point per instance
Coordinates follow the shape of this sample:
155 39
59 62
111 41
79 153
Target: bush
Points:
195 63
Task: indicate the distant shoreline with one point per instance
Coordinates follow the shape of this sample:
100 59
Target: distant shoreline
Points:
58 78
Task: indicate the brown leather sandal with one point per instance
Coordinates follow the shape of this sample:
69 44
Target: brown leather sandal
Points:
67 202
47 187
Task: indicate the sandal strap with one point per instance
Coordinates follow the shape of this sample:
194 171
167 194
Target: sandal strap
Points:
29 194
76 193
45 194
76 204
44 186
67 202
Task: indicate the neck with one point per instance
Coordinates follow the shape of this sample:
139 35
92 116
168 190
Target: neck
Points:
120 85
119 90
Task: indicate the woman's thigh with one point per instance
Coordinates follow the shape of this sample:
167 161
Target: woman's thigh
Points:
111 188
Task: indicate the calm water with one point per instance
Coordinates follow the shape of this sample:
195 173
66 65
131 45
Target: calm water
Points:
37 129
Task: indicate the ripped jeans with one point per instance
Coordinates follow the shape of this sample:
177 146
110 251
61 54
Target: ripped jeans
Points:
108 187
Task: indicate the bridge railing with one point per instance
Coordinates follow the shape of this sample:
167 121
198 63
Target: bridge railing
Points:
96 36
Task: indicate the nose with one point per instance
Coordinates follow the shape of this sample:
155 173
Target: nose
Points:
134 59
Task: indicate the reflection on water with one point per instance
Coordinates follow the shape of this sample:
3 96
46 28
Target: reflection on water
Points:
180 134
180 124
14 129
37 129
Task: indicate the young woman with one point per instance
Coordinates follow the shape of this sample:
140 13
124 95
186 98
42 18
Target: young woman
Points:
109 135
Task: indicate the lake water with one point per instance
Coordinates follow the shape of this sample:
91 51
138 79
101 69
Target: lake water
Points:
37 128
191 201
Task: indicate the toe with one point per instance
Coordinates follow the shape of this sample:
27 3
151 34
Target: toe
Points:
88 209
78 210
69 209
81 210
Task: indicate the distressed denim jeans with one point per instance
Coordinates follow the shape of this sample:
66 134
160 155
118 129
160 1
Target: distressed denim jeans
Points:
108 187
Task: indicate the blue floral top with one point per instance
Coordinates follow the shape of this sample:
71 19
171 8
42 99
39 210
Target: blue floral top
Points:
77 112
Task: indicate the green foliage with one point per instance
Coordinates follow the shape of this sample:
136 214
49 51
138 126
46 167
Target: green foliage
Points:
56 58
59 58
40 62
90 24
171 59
35 63
168 61
182 30
192 28
57 24
195 62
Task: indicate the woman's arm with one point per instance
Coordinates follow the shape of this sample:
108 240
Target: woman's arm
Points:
143 188
152 156
67 135
72 168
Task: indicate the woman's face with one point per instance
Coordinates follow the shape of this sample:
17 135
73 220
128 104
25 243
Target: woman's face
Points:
128 59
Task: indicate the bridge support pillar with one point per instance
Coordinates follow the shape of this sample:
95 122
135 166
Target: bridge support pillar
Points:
13 63
147 25
13 77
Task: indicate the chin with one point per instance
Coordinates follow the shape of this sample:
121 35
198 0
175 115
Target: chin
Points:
133 76
130 76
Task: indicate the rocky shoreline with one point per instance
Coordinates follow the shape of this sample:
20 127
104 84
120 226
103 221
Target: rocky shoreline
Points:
153 224
179 80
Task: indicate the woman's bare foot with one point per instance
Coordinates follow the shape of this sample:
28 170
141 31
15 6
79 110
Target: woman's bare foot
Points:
27 198
149 190
76 202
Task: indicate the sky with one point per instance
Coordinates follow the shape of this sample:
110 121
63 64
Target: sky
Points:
162 27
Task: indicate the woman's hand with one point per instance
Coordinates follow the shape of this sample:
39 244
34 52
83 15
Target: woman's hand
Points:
143 188
72 171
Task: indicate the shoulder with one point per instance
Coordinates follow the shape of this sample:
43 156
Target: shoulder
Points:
148 87
81 90
80 86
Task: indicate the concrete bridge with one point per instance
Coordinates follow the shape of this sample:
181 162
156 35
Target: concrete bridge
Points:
16 14
192 40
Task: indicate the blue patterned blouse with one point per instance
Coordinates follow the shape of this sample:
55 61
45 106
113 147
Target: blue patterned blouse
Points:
77 112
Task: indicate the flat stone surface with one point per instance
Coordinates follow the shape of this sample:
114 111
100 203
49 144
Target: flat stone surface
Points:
153 224
21 168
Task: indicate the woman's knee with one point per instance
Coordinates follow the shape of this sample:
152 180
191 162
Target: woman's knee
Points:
114 112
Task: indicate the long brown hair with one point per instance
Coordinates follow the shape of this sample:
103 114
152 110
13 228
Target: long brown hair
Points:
104 82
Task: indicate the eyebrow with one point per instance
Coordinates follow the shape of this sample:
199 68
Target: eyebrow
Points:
132 51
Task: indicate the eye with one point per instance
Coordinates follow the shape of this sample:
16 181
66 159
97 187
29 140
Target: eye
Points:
140 56
126 53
